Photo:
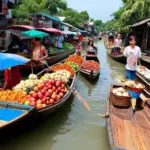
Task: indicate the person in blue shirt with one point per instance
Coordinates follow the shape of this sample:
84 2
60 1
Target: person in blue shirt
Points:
60 40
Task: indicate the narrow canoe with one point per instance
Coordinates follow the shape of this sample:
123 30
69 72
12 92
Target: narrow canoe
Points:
12 114
52 108
52 59
119 58
88 73
128 130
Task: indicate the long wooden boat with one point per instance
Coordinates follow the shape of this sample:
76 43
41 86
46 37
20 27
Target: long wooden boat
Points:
88 73
119 58
143 80
52 59
12 114
52 108
128 130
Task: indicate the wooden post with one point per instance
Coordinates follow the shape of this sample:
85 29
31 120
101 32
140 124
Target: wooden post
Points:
146 38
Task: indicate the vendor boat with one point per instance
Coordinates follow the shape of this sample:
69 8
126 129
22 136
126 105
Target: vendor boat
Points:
128 130
12 114
51 60
90 73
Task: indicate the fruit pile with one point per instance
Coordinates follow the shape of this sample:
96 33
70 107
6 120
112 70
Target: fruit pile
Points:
63 75
76 59
90 65
46 93
13 96
25 84
63 67
73 65
120 92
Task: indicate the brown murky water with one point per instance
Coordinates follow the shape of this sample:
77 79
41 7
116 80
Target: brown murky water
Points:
73 127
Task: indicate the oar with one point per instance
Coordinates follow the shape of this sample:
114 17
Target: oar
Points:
80 98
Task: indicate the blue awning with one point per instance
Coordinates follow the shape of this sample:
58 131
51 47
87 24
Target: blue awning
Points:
50 17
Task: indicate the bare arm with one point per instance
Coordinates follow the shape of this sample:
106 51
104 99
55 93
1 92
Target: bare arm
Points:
46 54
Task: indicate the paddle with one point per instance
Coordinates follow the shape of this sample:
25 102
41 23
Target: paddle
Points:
80 98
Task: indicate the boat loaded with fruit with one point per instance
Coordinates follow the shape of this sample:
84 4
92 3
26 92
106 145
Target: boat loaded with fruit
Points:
127 128
91 66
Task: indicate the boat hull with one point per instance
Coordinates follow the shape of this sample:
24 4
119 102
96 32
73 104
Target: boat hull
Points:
128 130
55 58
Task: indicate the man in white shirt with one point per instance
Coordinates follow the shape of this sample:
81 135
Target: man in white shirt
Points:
133 54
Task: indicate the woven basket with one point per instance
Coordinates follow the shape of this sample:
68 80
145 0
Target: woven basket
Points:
120 101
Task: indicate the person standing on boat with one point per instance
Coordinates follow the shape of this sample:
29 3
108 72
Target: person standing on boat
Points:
117 45
79 49
133 54
60 40
39 52
91 49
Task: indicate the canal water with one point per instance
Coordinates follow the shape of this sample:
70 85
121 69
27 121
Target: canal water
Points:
73 127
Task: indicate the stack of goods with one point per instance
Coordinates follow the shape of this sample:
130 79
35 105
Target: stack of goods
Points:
13 96
90 65
144 72
120 97
25 84
73 65
63 67
68 46
63 75
76 59
46 93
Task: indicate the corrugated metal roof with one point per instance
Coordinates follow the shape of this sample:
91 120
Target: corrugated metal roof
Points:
50 17
141 22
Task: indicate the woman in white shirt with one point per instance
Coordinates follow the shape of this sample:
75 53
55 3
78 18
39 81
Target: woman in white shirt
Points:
117 44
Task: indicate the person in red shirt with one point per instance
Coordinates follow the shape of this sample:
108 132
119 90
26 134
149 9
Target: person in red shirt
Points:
80 38
11 78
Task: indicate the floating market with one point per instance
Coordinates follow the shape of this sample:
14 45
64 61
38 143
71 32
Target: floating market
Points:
65 76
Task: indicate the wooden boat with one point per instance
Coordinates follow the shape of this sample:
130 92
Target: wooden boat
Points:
52 59
88 73
52 108
128 130
119 58
143 80
12 113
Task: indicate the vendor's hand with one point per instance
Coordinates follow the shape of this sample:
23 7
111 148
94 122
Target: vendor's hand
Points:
1 89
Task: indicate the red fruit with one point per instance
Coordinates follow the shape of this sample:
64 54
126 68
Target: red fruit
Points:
40 86
47 102
63 91
28 97
43 91
52 82
32 99
51 101
32 103
59 89
54 88
45 88
38 106
58 84
35 95
49 86
61 94
39 102
58 97
50 91
63 86
40 95
56 91
36 89
43 105
31 93
44 100
45 81
54 96
47 94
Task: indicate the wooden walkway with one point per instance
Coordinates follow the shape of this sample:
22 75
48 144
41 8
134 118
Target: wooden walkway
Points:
146 58
129 131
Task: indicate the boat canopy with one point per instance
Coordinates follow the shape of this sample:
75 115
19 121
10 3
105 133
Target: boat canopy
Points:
70 33
21 27
50 30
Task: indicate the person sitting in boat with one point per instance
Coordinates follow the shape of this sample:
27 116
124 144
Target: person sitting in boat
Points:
12 77
133 54
117 45
79 48
39 52
91 49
